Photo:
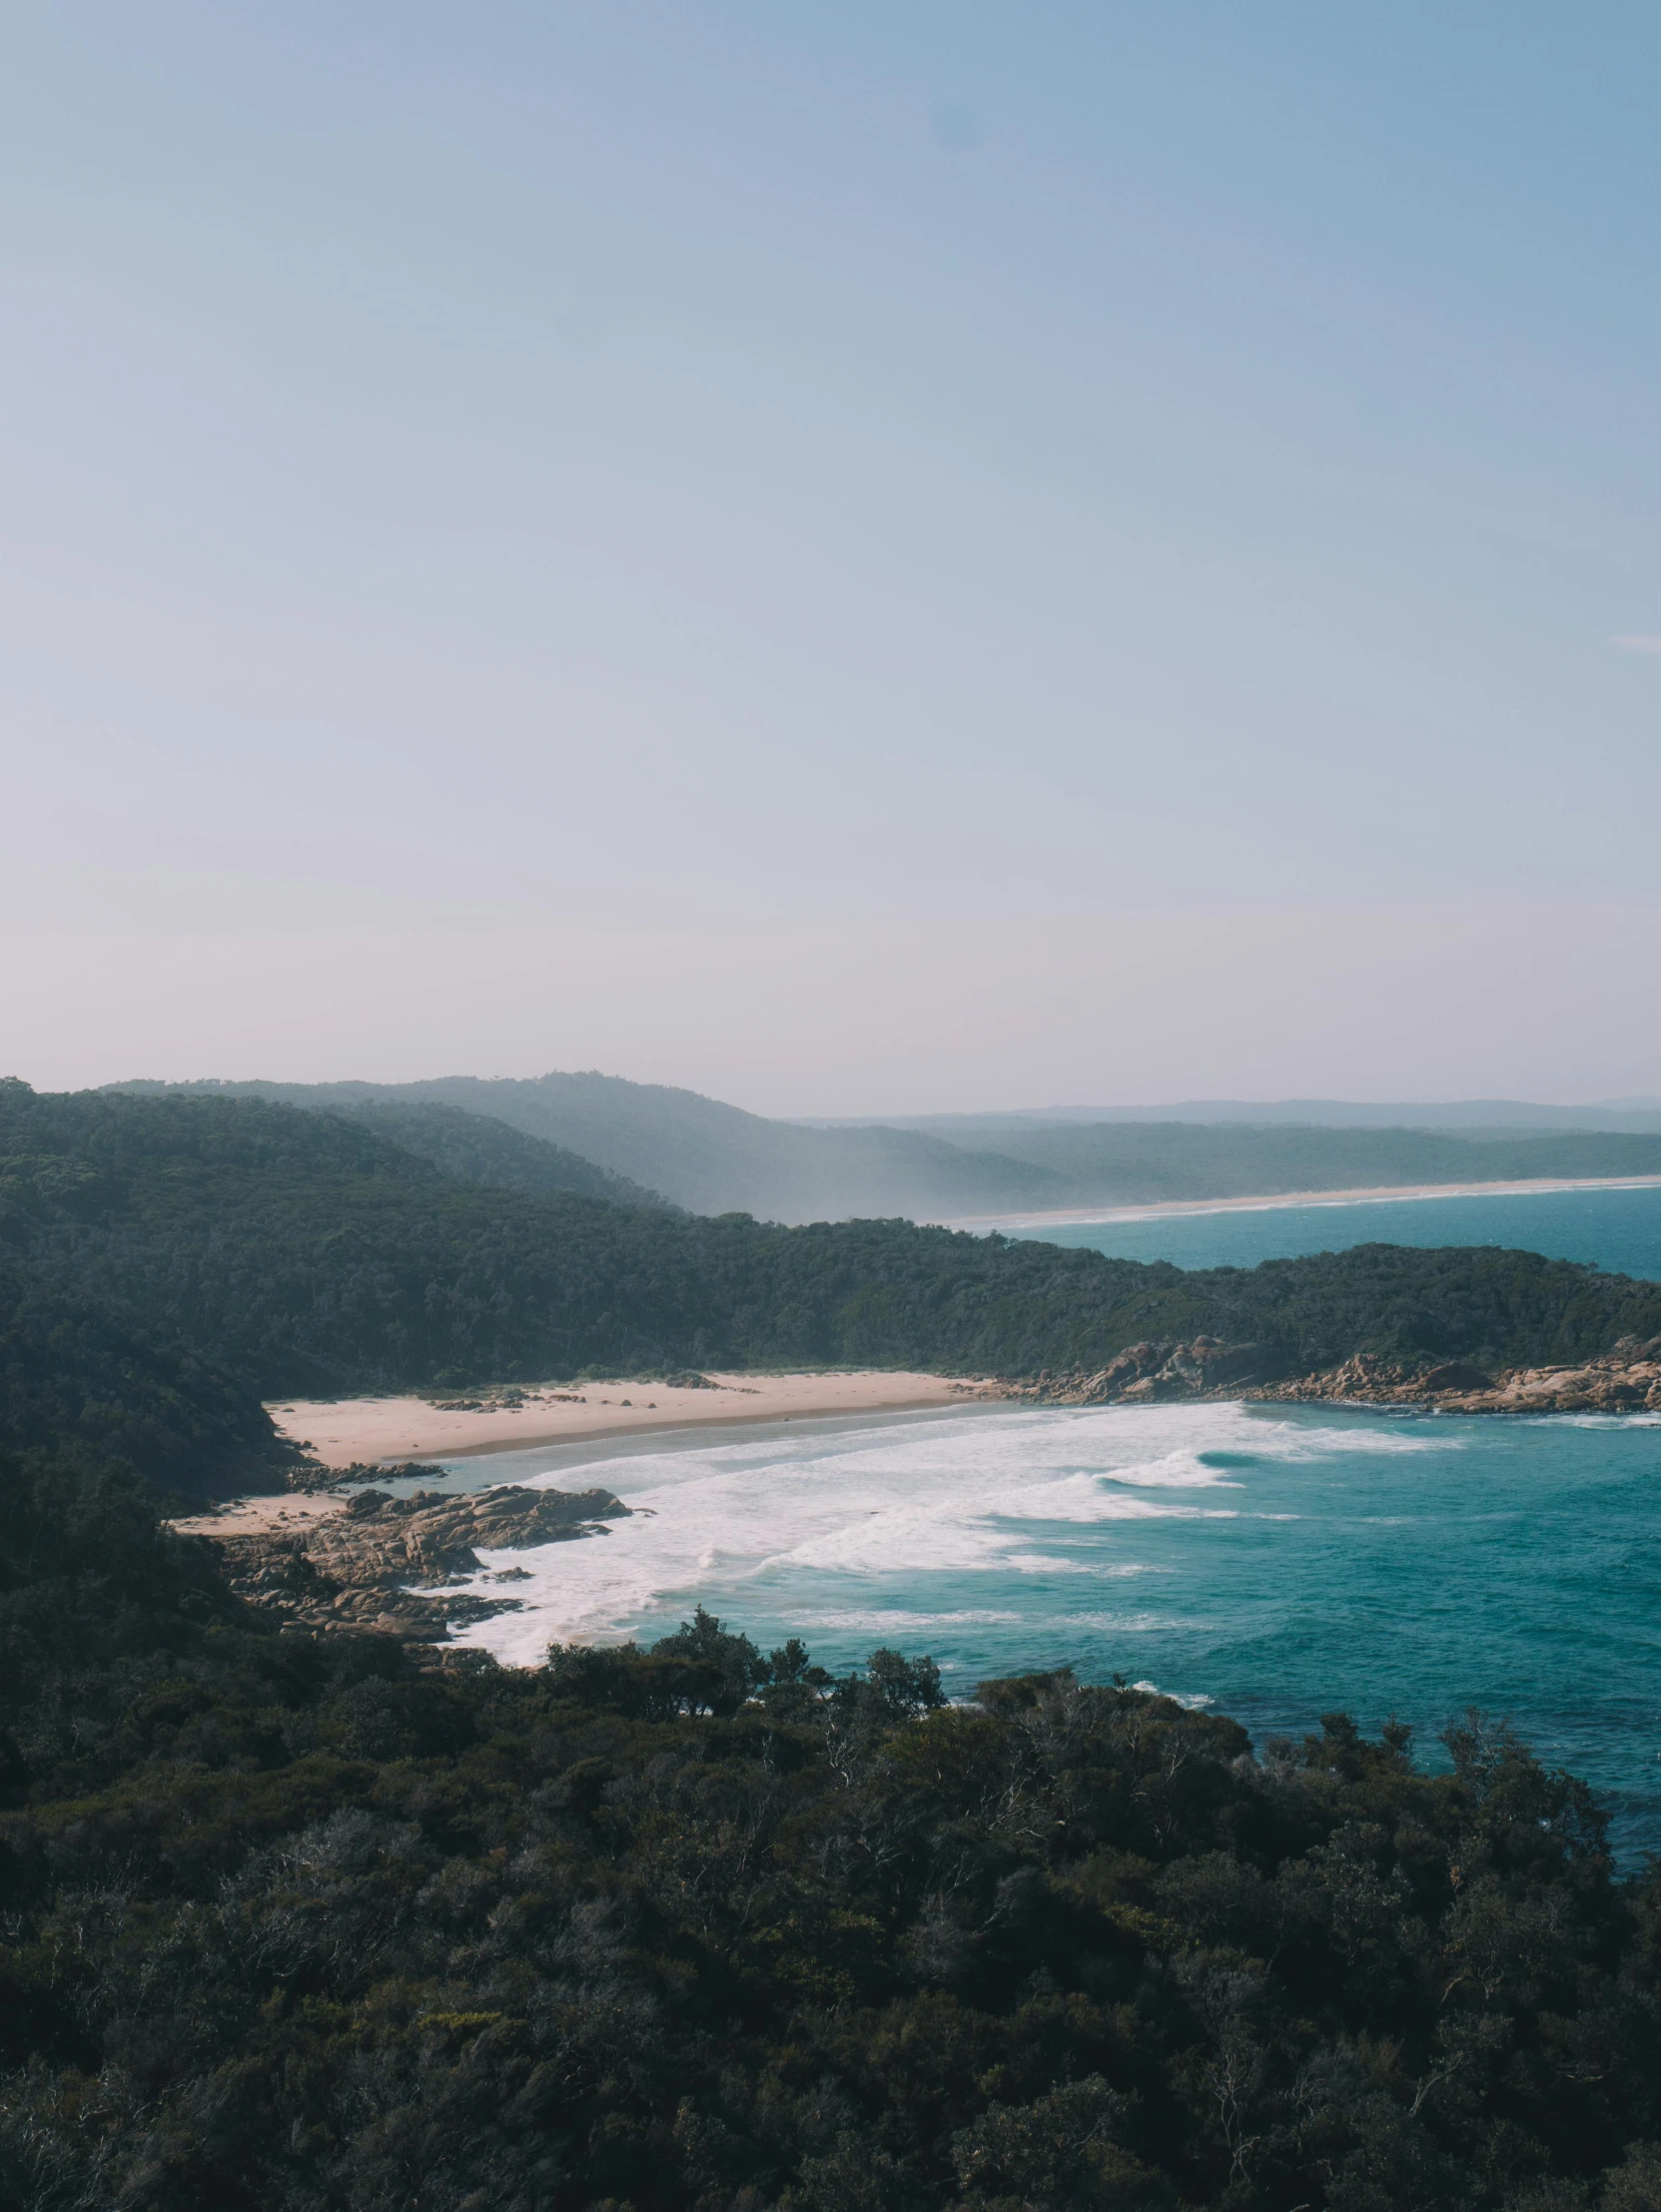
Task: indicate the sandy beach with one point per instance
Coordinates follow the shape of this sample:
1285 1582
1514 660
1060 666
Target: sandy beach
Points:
1158 1209
262 1516
348 1432
342 1432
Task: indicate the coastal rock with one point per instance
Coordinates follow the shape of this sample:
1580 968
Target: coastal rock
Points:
356 1568
1625 1379
1152 1373
311 1475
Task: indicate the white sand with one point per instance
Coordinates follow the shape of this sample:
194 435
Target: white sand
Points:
345 1430
1161 1210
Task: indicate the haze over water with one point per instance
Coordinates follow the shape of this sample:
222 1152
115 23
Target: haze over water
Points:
1276 1562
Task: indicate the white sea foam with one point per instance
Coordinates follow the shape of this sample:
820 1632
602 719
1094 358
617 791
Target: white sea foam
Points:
1123 1623
771 1519
1194 1703
1596 1420
892 1623
1054 1563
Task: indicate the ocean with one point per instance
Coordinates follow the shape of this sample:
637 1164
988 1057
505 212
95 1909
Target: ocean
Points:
1619 1229
1272 1562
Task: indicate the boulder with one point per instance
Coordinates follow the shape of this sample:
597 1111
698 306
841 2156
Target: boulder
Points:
359 1565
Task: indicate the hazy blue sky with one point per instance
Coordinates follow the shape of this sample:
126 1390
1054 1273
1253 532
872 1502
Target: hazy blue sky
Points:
859 557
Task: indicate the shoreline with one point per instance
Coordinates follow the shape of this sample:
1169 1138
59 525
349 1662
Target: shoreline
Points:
396 1432
1155 1209
1621 1382
348 1432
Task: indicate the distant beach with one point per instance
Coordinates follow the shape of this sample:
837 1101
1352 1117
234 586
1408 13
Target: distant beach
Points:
1172 1208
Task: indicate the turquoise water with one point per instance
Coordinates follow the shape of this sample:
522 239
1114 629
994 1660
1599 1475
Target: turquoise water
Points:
1618 1229
1274 1562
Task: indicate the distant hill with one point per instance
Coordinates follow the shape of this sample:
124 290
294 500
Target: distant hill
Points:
1129 1162
702 1154
608 1137
1479 1117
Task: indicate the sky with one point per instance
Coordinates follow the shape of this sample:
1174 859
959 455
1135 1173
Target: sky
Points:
886 556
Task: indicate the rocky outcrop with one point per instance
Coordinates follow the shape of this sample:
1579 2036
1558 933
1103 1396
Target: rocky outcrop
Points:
1151 1373
1625 1379
312 1475
355 1568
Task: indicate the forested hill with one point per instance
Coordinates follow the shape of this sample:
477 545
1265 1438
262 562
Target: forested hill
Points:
477 1147
299 1252
715 1158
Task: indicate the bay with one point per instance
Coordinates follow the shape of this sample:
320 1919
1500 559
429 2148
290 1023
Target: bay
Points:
1272 1562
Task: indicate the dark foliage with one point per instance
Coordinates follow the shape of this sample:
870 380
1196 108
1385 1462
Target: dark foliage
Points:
290 1925
300 1251
474 1147
75 1371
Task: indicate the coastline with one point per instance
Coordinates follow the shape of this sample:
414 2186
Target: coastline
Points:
360 1433
350 1432
264 1533
1155 1209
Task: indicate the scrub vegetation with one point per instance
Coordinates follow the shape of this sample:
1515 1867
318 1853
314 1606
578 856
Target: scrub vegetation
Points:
295 1924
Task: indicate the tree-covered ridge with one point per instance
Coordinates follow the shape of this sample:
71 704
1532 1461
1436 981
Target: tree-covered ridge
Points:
704 1155
303 1253
292 1925
474 1147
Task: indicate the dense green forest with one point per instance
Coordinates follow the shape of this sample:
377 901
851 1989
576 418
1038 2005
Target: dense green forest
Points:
290 1924
86 1373
292 1252
716 1159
